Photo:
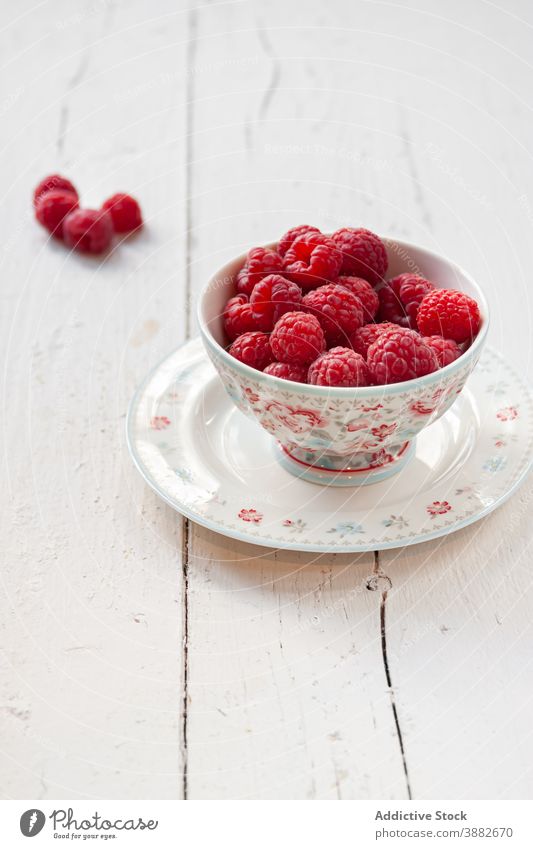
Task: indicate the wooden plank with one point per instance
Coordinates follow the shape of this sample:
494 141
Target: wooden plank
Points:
90 701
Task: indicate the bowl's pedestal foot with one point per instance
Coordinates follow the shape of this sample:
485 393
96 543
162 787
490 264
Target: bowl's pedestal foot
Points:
354 470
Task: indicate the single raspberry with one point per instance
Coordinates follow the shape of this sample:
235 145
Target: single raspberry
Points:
297 338
363 253
338 310
399 355
263 261
53 207
54 181
339 367
125 212
449 313
286 241
446 349
288 371
363 290
271 298
253 349
244 283
363 338
312 260
88 230
238 318
400 298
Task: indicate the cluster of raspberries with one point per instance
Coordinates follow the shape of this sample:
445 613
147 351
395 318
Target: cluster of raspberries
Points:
57 208
319 310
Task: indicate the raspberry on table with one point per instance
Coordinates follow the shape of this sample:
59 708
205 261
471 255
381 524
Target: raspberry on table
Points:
88 230
363 253
287 371
399 355
52 209
289 237
450 314
338 310
339 367
363 290
297 338
253 349
50 183
312 260
400 298
238 318
446 349
125 212
363 338
271 298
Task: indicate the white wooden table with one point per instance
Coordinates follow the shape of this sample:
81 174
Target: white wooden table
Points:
146 657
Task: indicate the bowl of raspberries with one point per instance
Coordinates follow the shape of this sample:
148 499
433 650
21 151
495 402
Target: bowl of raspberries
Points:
343 346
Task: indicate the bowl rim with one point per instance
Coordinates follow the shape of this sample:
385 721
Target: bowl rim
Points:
354 392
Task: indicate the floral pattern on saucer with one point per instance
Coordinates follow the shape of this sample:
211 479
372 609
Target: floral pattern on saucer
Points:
272 508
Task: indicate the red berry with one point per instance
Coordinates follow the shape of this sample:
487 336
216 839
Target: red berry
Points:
400 298
363 290
446 350
263 261
244 283
363 253
363 338
399 355
54 181
125 212
88 230
449 313
253 349
288 371
339 367
271 298
312 260
297 338
238 318
338 310
53 207
286 241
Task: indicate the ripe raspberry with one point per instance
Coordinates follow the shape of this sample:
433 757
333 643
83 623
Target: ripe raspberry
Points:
125 212
446 350
297 338
244 283
362 339
253 349
338 310
399 355
263 261
288 371
449 313
364 291
271 298
400 298
53 207
88 230
312 260
339 367
238 318
363 253
54 181
286 241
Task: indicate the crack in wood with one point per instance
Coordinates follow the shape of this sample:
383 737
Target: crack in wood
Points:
379 574
186 531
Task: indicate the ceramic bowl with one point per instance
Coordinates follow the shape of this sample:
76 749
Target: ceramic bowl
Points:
343 436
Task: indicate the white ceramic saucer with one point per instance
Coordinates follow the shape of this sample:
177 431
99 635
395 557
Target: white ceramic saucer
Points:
219 468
